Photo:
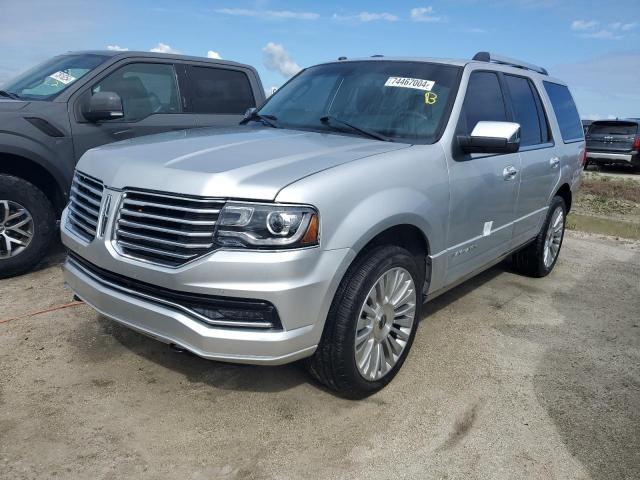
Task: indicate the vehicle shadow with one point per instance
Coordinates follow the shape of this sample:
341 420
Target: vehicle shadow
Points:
464 288
587 379
227 376
197 370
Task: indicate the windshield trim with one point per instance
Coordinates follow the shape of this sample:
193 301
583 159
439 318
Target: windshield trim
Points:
446 113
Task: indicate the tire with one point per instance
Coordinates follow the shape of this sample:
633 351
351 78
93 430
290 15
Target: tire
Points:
334 362
531 259
18 195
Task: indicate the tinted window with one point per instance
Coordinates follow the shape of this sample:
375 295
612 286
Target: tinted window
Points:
483 102
566 111
405 101
525 110
145 89
613 128
216 90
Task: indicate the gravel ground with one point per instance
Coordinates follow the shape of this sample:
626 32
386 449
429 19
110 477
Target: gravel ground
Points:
509 377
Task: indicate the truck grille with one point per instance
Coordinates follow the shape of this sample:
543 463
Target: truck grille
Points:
166 229
84 205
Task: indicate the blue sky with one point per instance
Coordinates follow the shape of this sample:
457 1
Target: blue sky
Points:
595 49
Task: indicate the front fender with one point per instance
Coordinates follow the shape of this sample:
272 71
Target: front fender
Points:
43 155
379 212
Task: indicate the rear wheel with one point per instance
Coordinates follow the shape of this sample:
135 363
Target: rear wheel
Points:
539 257
27 225
371 324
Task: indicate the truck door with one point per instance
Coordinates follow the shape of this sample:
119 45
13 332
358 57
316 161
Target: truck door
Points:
540 171
484 187
150 98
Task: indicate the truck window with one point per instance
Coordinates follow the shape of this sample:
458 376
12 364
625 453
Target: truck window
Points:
145 89
483 102
566 112
527 110
220 91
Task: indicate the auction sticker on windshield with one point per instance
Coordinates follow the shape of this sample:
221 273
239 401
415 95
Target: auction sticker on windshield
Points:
62 77
417 83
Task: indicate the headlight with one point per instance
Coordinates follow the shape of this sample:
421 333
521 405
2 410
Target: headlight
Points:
267 226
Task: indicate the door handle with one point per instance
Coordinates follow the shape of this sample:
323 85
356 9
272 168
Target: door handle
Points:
509 172
554 162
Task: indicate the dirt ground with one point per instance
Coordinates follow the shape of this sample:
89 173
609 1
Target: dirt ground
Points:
509 377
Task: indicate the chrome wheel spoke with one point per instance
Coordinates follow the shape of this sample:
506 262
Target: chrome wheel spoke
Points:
386 320
16 228
553 238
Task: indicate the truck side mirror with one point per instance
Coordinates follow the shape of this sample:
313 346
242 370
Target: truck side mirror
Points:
492 137
104 106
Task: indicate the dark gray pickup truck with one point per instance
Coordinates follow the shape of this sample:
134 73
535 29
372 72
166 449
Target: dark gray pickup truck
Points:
53 113
614 142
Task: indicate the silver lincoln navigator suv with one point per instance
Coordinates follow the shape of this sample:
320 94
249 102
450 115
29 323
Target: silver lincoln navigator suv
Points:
317 227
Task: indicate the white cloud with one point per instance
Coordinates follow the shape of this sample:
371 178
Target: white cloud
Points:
269 14
368 17
163 48
612 31
212 54
602 34
580 25
425 14
117 48
278 59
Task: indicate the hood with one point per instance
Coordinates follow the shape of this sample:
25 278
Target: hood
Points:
247 162
10 105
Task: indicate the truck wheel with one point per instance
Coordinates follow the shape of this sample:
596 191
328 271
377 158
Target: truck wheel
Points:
27 225
371 323
539 257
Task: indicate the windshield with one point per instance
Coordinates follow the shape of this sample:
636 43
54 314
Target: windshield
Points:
404 101
48 79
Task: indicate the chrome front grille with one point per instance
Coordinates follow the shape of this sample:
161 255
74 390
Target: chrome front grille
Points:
84 205
166 229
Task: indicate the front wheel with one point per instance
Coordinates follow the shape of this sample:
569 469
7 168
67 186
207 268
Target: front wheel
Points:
27 225
539 257
371 323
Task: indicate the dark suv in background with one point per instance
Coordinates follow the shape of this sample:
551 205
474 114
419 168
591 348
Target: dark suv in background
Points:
53 113
614 142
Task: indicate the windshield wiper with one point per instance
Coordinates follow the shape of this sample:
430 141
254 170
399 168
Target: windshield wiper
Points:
12 95
329 119
269 120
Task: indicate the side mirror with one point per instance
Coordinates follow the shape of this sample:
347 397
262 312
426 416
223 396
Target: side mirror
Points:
492 137
250 112
104 106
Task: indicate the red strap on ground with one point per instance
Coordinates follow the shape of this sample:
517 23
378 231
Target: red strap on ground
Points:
40 312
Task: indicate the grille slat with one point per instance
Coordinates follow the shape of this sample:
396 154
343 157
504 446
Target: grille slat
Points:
166 229
84 205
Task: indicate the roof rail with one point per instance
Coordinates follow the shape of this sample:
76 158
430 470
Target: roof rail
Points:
499 59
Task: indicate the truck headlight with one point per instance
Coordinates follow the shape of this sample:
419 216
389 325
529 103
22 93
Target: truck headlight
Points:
267 226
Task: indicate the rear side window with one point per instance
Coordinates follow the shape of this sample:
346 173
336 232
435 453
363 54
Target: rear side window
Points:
566 112
221 91
527 110
483 102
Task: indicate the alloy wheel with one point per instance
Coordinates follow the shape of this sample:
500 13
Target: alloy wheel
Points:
16 228
384 324
553 238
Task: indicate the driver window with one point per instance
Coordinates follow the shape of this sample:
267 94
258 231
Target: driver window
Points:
483 102
145 89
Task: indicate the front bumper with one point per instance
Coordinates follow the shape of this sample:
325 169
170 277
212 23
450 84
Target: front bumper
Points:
299 284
